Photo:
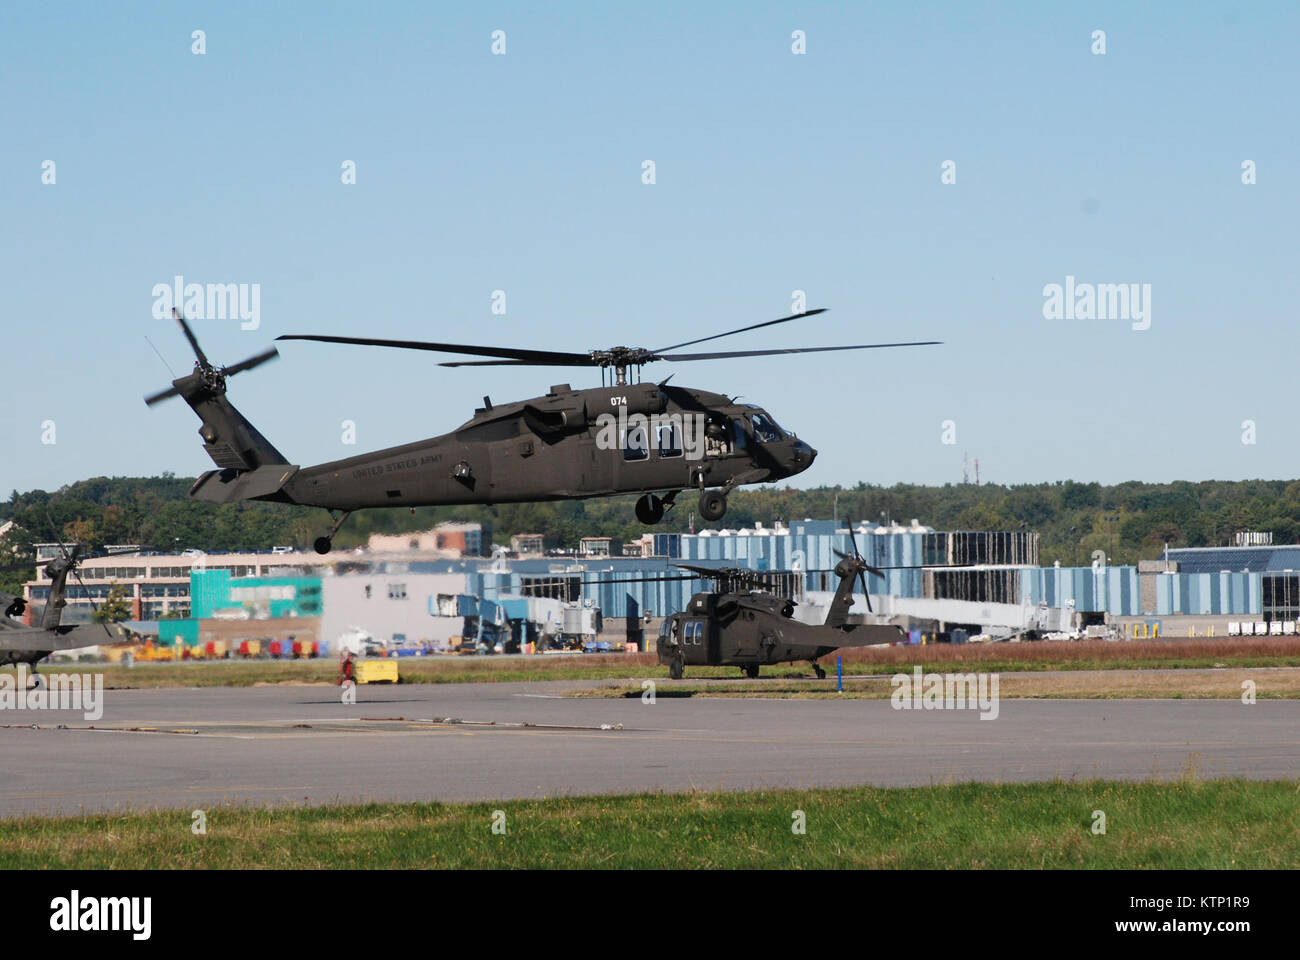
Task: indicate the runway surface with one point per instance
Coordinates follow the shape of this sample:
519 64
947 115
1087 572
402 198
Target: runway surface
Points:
198 748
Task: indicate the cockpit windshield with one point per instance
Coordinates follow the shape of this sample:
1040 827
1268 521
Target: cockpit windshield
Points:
765 428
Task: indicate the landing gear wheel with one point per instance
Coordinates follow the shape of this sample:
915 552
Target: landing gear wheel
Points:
649 509
322 544
676 668
713 504
821 674
751 671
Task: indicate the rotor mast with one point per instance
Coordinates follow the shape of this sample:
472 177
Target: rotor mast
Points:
620 359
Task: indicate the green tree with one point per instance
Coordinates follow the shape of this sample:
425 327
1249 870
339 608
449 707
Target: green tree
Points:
114 609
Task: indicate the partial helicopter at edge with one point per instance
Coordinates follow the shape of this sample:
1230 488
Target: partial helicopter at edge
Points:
20 643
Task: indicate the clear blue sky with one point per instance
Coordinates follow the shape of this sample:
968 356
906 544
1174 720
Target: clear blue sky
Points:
775 172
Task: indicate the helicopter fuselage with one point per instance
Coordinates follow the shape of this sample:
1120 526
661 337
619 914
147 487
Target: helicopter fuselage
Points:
633 438
753 629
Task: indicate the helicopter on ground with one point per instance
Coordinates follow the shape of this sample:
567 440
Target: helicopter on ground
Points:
653 439
20 643
738 624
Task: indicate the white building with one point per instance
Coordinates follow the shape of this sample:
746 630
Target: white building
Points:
392 607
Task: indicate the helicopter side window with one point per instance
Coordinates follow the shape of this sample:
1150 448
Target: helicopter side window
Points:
636 445
670 440
717 439
741 438
766 429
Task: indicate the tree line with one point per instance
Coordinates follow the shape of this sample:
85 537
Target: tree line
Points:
1127 521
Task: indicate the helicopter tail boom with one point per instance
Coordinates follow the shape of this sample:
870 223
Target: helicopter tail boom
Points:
248 466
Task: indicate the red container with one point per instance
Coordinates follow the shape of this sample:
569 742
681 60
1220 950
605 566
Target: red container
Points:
275 648
210 648
297 648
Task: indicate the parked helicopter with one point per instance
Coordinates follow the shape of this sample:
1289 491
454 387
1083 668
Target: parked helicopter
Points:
739 625
627 437
20 643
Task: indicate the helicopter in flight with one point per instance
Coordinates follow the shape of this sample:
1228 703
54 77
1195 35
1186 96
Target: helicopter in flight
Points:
742 624
626 436
20 643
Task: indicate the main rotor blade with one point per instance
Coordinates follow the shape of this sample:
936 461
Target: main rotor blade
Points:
647 579
752 326
505 353
252 362
93 605
717 573
189 335
771 353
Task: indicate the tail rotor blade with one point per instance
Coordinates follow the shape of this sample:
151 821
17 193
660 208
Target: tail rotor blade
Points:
863 577
159 397
252 362
189 335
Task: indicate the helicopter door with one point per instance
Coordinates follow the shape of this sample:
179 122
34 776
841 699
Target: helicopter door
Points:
693 641
708 638
632 458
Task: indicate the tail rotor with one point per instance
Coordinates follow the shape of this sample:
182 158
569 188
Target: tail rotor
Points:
861 567
206 377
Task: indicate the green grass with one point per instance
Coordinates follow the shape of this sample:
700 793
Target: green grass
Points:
1222 824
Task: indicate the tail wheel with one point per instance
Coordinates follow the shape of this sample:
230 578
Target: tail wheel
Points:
713 505
751 671
676 668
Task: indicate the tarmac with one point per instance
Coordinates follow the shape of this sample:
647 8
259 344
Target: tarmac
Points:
198 748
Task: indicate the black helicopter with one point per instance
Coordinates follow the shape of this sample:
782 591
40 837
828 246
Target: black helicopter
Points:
742 624
628 437
20 643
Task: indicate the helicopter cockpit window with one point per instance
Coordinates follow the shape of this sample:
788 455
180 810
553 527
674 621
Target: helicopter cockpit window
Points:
636 445
670 440
664 627
766 429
